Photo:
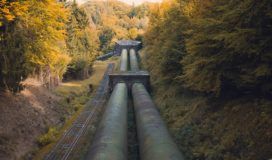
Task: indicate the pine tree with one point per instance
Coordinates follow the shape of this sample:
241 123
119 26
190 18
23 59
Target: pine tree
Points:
81 43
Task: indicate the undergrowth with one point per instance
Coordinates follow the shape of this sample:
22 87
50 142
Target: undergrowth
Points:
74 95
205 129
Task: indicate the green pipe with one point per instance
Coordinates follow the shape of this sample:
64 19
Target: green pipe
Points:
124 60
155 141
133 60
110 141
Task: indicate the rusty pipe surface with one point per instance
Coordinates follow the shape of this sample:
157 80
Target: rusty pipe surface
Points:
154 139
134 66
110 141
124 60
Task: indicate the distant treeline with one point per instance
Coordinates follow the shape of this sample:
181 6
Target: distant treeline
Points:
43 39
216 47
52 40
115 20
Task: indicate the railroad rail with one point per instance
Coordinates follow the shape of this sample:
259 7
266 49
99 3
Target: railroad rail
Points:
68 141
110 141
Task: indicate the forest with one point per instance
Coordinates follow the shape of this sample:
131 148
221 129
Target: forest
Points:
219 48
57 41
210 62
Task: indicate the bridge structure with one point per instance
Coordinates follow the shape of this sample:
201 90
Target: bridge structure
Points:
119 46
154 140
129 89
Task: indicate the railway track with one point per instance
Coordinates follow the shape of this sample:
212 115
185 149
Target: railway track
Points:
154 140
69 140
110 142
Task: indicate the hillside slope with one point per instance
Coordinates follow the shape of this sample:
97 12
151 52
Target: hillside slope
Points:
215 129
25 116
116 20
209 129
210 64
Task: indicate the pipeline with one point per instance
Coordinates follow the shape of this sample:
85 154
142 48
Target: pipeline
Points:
133 60
154 139
105 56
110 141
124 60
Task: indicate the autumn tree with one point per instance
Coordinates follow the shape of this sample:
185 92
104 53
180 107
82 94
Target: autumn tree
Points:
164 42
230 47
114 21
223 46
132 33
31 35
81 43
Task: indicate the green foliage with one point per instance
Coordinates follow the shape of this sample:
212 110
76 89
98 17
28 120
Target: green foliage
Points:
81 43
140 11
30 40
226 52
164 41
49 137
106 35
230 48
224 46
114 21
43 37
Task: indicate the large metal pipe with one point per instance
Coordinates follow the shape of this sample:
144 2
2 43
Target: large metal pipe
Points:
154 139
134 66
124 60
110 141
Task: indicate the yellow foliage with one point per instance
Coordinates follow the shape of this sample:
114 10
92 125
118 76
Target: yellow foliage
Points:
133 33
49 27
10 10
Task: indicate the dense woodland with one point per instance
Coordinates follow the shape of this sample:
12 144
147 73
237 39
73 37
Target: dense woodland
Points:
32 41
54 40
210 62
219 47
115 21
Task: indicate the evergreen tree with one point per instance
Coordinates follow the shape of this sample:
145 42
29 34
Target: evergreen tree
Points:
164 42
81 43
106 36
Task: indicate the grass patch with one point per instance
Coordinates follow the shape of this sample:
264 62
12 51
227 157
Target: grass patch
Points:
75 95
49 137
53 138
